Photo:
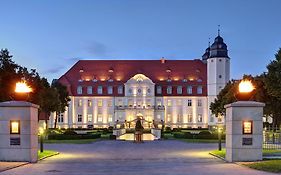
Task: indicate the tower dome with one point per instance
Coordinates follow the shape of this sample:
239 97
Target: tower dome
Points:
218 48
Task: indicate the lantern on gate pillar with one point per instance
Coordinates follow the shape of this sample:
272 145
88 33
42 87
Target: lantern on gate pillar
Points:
246 90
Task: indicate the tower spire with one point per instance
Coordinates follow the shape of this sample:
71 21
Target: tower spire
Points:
209 44
219 31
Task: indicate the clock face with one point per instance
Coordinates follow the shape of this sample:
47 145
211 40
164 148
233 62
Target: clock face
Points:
148 91
139 90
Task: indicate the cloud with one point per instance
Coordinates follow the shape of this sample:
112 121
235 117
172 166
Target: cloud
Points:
54 69
97 49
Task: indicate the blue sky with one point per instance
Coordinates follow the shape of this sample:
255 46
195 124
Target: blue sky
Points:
52 35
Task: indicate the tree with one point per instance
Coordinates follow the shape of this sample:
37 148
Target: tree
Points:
63 98
273 78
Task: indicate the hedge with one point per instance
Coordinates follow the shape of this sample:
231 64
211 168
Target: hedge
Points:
73 137
201 135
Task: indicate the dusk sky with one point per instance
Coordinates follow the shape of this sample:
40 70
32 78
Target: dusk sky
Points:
51 36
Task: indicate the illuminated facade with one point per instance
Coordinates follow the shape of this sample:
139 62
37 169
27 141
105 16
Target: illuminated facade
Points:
177 92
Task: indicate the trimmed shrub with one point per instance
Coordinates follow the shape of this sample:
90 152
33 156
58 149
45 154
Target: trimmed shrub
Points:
70 132
112 137
179 135
176 129
168 129
73 137
205 135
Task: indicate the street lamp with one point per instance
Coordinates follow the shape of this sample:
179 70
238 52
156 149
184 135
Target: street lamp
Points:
41 133
245 90
219 136
22 91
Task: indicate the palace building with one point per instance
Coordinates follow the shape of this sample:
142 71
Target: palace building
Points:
176 92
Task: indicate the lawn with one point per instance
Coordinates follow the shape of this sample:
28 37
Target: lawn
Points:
264 152
266 165
77 141
46 153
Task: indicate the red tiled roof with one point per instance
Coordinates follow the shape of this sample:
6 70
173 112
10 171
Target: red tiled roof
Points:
120 71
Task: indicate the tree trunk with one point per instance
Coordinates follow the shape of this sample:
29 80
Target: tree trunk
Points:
56 120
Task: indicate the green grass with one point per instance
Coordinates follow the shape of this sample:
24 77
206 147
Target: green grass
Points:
266 165
264 152
46 153
200 140
80 141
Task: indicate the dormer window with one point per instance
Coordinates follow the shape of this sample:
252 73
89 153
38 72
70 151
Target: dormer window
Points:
110 90
169 90
184 80
189 89
95 80
120 89
199 90
99 89
89 90
179 90
79 90
159 90
199 80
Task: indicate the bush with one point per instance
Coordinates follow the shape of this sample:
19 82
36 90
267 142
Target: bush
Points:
73 137
176 129
168 129
112 137
183 135
70 132
205 135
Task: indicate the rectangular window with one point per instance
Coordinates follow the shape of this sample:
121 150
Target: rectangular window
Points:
158 116
169 102
130 102
200 118
109 103
110 118
109 90
60 118
168 117
189 89
148 102
100 103
79 118
179 90
90 117
189 102
99 118
14 127
79 90
169 90
99 89
159 90
159 102
89 103
89 90
120 89
189 118
120 102
199 103
199 90
79 103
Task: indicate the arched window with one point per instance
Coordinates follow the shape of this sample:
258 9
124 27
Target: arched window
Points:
169 90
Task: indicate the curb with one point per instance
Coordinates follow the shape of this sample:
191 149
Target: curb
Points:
9 168
42 158
217 156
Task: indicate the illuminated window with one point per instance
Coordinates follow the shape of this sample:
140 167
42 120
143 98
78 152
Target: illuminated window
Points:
109 103
200 118
169 102
199 102
110 118
189 118
99 118
79 90
159 102
189 89
90 117
179 90
89 103
110 90
189 102
169 90
60 118
15 127
199 90
79 118
89 90
79 102
158 116
168 117
99 89
100 103
159 90
130 102
120 89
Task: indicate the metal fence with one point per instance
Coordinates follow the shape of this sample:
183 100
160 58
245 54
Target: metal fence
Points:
271 138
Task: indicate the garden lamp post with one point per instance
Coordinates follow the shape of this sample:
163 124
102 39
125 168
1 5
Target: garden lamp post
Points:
219 136
22 91
41 133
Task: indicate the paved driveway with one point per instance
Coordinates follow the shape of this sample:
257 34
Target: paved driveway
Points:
121 158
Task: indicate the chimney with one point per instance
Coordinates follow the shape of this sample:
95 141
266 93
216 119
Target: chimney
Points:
163 60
